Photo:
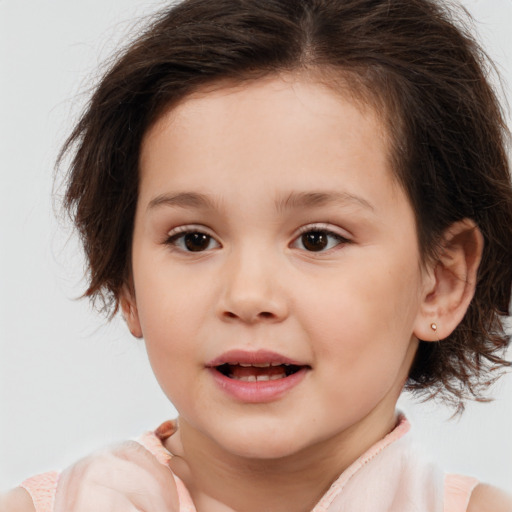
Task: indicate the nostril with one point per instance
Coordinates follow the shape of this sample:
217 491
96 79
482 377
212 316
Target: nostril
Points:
263 315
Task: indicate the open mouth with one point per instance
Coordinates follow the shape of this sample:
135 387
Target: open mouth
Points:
257 372
257 376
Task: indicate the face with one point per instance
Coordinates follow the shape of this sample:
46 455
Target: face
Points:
276 274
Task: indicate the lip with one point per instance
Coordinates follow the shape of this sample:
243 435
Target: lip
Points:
256 357
259 391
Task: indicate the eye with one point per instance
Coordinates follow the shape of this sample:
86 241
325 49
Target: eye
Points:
317 239
191 240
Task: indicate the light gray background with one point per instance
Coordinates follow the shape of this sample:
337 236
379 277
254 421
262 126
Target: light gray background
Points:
69 382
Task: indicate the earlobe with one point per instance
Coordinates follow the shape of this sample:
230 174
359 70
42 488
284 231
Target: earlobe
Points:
130 312
452 282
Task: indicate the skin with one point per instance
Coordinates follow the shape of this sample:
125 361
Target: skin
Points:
349 312
353 313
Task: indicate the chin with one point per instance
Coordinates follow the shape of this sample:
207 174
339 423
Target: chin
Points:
260 442
264 449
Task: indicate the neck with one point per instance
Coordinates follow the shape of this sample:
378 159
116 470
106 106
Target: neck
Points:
223 482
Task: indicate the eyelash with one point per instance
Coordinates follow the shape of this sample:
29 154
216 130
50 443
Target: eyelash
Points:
176 238
322 229
181 232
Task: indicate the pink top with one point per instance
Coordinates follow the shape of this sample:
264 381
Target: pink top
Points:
389 477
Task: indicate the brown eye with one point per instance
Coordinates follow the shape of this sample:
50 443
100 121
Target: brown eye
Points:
315 240
192 241
196 241
318 240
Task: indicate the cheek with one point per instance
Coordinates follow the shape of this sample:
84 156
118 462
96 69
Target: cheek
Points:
363 317
363 342
170 335
171 312
167 297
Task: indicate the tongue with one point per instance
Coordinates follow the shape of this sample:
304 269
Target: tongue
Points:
247 371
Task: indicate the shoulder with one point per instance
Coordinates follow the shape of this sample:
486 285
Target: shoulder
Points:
17 500
486 498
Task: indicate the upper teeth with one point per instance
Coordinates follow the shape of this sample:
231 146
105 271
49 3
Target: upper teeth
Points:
260 378
260 365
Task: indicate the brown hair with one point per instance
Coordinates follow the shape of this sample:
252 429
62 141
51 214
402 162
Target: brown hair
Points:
429 78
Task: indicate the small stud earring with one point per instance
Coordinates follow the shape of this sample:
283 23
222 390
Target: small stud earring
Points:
433 326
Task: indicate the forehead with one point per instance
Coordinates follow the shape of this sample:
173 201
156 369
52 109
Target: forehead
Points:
249 113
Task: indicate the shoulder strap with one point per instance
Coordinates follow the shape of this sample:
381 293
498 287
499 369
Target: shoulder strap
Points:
458 489
42 489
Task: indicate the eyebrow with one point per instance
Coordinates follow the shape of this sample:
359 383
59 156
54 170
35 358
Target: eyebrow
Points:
183 200
295 200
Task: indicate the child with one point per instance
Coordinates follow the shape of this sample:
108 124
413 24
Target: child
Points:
303 207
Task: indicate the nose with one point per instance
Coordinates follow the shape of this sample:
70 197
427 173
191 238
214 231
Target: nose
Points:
251 291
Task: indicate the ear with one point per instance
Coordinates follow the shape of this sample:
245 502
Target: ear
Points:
450 282
129 311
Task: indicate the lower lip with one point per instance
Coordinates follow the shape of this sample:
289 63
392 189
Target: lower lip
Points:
257 392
